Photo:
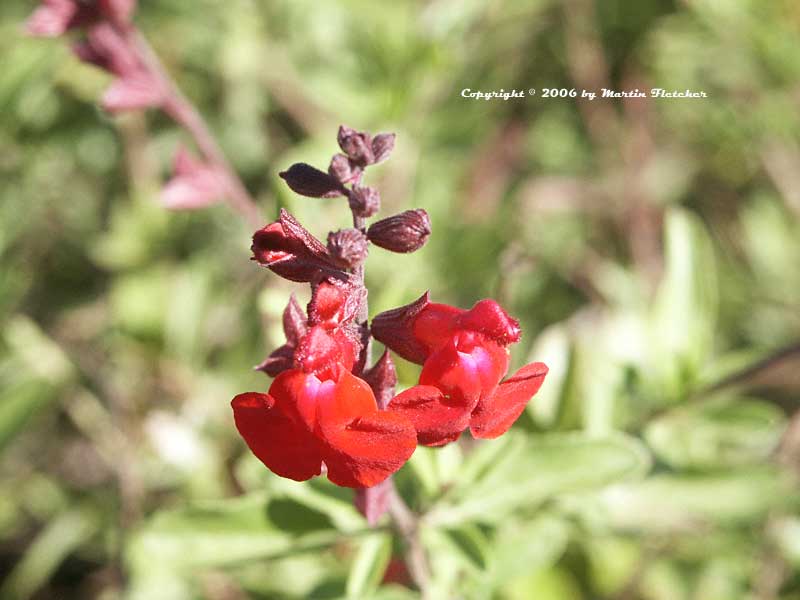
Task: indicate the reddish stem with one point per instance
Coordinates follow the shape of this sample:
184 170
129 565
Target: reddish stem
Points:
184 113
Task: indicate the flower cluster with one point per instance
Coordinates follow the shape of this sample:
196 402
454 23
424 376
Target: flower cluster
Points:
105 31
106 37
326 410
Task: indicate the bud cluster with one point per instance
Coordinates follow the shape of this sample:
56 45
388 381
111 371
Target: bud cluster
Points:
405 232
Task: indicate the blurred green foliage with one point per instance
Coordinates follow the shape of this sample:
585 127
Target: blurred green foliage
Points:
651 249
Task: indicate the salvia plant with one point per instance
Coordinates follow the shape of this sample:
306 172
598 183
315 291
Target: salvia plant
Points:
330 410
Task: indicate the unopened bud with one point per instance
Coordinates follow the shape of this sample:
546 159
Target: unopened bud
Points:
364 201
308 181
405 232
382 146
348 247
382 378
343 169
356 144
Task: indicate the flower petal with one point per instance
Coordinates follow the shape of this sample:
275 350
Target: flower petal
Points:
489 318
351 399
436 324
495 414
466 369
285 448
369 449
436 421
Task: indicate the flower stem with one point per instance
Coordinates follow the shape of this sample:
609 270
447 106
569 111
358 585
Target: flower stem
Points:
407 525
405 521
184 113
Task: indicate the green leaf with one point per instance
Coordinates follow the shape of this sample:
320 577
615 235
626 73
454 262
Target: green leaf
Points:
323 497
719 433
59 538
533 470
369 565
685 309
470 543
683 502
520 547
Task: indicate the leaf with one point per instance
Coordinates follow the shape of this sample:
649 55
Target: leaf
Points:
369 565
687 502
521 547
470 543
685 309
214 534
533 470
323 497
716 434
36 373
57 540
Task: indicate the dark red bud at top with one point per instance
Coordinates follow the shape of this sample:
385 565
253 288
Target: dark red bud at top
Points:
394 328
364 201
308 181
405 232
382 378
344 169
348 247
357 145
382 146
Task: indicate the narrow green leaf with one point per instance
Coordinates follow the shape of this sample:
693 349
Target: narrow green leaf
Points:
369 565
60 537
714 434
540 468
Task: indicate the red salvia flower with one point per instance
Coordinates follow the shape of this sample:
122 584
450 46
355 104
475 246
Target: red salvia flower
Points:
319 412
465 355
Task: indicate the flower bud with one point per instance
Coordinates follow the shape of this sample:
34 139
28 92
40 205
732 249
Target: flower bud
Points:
348 247
277 362
295 321
382 378
344 169
53 17
133 92
308 181
364 201
357 145
382 146
194 184
335 303
289 250
406 232
394 329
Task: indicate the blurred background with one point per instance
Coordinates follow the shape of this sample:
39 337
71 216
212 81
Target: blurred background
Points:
651 249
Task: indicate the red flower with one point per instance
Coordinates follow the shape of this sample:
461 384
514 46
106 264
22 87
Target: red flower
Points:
319 412
464 356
